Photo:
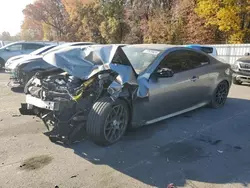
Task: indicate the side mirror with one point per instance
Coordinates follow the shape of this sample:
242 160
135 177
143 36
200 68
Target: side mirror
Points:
164 73
7 49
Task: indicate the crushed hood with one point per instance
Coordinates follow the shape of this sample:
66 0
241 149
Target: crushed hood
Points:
84 62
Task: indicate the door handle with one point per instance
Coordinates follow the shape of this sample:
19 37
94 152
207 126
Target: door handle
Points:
194 78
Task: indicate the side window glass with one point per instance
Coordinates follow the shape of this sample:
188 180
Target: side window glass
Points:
32 46
197 60
14 47
183 60
176 61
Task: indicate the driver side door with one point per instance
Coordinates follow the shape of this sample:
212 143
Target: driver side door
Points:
168 95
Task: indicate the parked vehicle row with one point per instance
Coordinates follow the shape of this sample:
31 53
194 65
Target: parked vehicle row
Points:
103 90
23 69
17 48
241 70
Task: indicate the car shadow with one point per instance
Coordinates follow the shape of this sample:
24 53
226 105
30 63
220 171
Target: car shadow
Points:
200 146
17 89
2 71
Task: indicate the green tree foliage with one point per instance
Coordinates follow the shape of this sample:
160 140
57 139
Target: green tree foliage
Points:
232 17
32 30
113 27
49 12
138 21
5 36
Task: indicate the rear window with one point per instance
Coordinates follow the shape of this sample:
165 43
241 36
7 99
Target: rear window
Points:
207 50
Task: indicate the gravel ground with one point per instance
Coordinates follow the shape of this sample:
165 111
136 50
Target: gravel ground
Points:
203 148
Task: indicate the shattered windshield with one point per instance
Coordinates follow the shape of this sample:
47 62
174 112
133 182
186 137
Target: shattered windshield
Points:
140 58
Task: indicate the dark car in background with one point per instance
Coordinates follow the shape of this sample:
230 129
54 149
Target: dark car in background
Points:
241 70
28 67
103 90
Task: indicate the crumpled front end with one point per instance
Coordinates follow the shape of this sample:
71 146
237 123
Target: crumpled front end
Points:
63 98
63 102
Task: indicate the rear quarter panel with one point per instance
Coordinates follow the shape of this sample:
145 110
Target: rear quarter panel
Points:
219 71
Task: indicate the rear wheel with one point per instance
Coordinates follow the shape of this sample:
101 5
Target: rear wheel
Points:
220 95
107 121
237 82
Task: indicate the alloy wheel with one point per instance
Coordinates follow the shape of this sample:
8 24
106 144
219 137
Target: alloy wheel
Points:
221 93
115 124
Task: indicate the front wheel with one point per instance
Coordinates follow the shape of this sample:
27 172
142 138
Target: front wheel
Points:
220 95
107 121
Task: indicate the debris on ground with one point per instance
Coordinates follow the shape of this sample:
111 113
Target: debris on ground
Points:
1 120
171 185
237 147
187 116
74 176
209 140
157 147
15 115
23 165
220 151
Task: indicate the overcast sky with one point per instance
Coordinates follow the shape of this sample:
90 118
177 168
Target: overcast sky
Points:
11 15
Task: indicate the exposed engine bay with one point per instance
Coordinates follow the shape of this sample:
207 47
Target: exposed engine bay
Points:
72 99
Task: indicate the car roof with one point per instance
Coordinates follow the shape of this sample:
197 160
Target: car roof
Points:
76 43
39 43
152 46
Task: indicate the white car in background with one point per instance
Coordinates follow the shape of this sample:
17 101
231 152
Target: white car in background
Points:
17 48
12 62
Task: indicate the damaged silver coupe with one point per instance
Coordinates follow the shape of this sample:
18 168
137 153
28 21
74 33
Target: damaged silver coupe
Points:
101 91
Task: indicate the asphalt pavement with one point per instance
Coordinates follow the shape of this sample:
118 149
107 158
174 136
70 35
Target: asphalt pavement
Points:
204 148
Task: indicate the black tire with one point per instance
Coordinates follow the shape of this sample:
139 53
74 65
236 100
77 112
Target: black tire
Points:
220 95
236 82
99 126
2 63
